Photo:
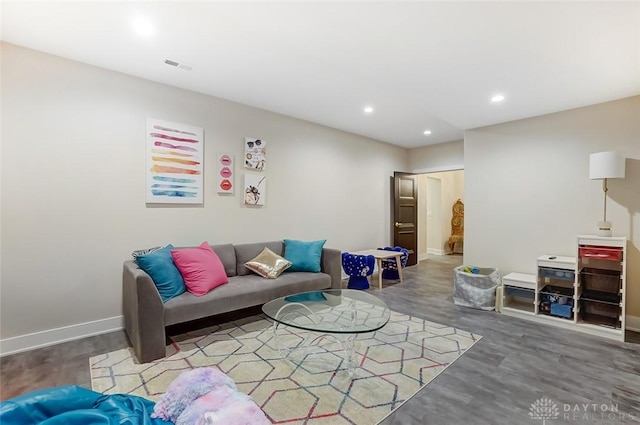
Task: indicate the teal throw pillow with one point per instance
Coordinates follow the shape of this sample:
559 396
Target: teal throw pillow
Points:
304 256
164 273
315 296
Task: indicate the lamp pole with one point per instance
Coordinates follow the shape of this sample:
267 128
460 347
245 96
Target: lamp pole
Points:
605 189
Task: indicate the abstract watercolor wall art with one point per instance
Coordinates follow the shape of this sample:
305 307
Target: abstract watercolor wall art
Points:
225 173
255 189
255 153
174 163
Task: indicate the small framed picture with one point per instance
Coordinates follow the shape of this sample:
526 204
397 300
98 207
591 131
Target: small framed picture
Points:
255 153
225 173
255 189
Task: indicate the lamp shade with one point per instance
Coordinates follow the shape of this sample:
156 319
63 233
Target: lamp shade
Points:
606 165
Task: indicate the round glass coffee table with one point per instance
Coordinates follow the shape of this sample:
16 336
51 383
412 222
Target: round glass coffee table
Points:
340 314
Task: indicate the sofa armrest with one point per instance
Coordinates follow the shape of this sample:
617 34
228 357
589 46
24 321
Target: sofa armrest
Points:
331 264
143 313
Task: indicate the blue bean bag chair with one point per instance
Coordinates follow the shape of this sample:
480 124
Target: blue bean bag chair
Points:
73 405
358 267
389 267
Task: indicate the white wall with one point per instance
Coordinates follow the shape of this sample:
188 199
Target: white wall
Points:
73 204
440 157
528 193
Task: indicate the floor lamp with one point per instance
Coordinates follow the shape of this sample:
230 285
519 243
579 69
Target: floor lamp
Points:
603 166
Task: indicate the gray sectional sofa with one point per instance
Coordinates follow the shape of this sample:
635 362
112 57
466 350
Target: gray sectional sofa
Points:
146 316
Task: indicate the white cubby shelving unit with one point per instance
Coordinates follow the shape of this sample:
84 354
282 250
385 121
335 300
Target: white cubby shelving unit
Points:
601 284
584 293
519 291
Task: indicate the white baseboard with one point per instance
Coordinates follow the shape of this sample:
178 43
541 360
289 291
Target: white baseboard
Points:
41 339
632 323
435 251
422 256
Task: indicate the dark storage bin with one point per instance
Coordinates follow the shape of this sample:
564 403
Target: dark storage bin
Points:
599 313
600 308
600 253
557 290
606 297
594 319
600 280
556 304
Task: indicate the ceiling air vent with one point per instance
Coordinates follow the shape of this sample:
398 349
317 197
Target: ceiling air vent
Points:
178 64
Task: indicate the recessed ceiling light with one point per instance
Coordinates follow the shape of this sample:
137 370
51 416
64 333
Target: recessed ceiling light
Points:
142 27
368 110
427 132
497 98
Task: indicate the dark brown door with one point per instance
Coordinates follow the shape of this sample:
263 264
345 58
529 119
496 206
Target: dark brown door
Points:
405 214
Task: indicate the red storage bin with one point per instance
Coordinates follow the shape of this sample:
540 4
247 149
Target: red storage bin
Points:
600 253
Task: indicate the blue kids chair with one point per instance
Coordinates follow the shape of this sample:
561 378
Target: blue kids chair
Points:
389 267
358 267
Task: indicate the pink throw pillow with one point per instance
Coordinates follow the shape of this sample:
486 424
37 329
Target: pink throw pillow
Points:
200 268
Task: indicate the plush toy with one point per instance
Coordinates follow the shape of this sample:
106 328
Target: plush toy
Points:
223 406
206 396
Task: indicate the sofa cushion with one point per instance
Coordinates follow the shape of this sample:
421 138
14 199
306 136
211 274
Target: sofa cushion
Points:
268 264
246 252
200 267
241 292
305 256
166 277
227 254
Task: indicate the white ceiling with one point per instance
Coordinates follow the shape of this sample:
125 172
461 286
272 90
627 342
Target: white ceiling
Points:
420 65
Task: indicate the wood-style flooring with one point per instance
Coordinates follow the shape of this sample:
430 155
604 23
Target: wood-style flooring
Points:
516 363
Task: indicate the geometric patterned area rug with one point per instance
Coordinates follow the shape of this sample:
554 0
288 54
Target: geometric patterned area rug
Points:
313 387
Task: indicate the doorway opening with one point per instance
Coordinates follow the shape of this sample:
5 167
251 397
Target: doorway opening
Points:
437 193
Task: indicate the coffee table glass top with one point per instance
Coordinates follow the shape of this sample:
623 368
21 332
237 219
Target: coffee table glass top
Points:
330 311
